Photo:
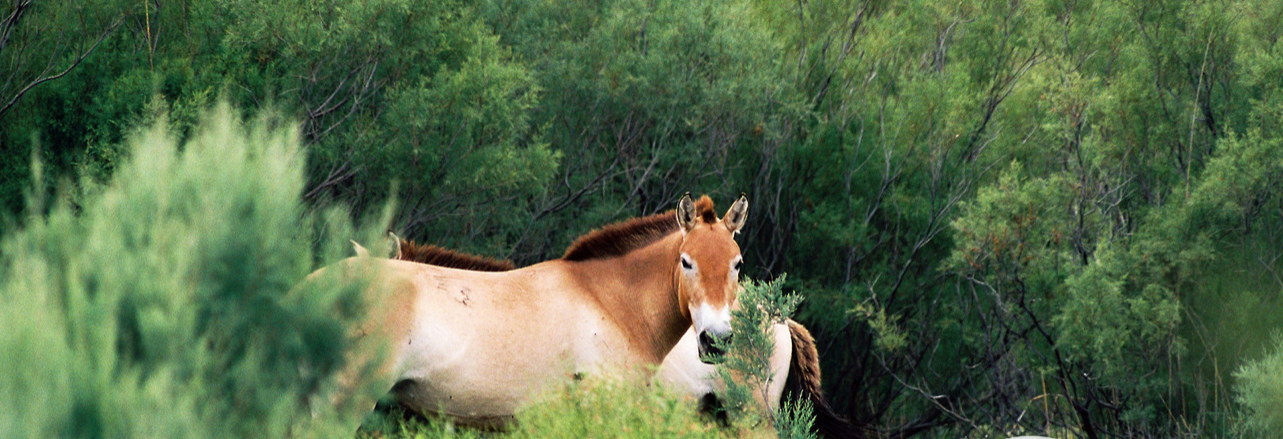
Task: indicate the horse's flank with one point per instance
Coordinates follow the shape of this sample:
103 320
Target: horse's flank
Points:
593 256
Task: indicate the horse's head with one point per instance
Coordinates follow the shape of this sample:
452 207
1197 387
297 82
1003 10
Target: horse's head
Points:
709 267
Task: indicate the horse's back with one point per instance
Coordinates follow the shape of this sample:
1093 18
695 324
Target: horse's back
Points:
476 345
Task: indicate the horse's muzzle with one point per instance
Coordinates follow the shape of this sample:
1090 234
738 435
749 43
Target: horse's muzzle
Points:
710 346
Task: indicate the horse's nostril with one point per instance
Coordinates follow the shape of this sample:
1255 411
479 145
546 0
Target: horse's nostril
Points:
710 350
711 342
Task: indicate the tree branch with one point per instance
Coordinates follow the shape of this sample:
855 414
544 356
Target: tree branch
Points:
38 81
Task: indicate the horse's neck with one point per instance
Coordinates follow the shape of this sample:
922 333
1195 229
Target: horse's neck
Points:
639 292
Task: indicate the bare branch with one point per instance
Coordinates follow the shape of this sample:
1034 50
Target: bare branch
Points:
119 20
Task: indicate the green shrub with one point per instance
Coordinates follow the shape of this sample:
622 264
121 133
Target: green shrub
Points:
746 368
600 408
166 306
1260 390
794 419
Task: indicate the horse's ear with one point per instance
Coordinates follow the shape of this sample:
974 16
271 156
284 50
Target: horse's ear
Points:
361 252
735 216
396 244
686 213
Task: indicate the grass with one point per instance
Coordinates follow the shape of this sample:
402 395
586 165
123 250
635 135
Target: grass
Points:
593 408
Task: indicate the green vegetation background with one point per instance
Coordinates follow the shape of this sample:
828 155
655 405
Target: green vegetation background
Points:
1057 217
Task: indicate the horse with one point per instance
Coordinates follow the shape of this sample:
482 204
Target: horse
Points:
795 358
475 346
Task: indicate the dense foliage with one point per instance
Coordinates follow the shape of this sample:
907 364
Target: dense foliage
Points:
1051 216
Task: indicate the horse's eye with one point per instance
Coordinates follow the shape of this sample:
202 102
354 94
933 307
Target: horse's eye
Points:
686 264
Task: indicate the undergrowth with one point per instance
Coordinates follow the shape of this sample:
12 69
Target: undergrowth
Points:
591 408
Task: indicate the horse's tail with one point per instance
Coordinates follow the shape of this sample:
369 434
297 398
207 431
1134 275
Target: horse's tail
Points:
803 383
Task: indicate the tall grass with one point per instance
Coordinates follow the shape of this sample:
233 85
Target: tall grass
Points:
595 407
165 305
602 408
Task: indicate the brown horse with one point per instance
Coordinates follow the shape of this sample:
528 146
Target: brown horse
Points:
795 363
476 346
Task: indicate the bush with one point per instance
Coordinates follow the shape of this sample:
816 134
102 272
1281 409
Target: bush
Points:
165 305
599 407
746 368
1260 390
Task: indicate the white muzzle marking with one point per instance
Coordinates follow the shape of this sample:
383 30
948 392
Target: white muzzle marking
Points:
716 321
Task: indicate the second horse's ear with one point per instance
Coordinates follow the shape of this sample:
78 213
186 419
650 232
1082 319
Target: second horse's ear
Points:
361 252
686 213
736 215
396 244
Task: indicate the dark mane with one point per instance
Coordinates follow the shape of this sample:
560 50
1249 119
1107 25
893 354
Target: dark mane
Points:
433 255
620 238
